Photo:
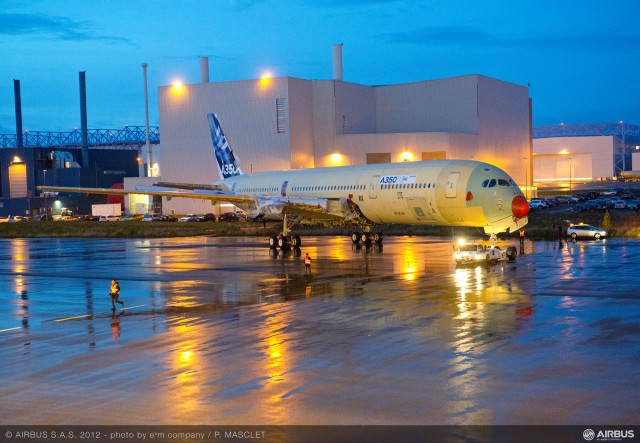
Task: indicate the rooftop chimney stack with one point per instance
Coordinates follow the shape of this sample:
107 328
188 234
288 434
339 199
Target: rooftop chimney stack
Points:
337 62
18 100
84 144
204 69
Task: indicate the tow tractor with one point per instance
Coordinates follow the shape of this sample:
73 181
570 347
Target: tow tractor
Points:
466 253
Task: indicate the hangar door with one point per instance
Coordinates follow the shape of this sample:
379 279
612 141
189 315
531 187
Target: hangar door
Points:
18 180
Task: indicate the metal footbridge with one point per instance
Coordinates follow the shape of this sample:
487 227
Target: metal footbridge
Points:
131 137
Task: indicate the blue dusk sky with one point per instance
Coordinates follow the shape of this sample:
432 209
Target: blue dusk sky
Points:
581 58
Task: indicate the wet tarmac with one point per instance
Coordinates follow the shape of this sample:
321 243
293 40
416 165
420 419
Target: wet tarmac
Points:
224 331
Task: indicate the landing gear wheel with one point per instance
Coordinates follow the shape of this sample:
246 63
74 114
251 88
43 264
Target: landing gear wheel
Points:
365 238
283 243
355 238
273 242
295 241
377 238
574 235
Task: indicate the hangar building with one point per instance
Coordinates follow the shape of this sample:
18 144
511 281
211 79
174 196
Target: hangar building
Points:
289 123
565 153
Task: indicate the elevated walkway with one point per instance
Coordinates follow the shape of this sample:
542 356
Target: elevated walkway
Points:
131 137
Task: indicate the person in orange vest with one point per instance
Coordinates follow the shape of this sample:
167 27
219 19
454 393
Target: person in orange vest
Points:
114 292
521 241
307 264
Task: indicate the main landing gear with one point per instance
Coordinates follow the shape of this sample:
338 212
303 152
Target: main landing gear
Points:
366 237
285 239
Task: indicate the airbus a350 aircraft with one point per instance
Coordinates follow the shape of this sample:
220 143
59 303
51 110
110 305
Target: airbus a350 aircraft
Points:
439 192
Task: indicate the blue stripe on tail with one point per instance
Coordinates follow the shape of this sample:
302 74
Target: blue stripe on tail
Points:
228 164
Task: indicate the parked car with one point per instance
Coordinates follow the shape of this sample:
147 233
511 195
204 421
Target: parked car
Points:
109 218
209 217
618 203
151 217
168 218
132 217
228 217
534 204
537 203
585 231
188 218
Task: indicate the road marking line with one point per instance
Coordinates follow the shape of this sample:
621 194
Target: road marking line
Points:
59 320
131 307
11 329
72 318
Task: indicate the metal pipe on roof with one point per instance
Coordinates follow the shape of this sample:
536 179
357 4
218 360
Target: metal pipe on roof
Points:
337 61
204 69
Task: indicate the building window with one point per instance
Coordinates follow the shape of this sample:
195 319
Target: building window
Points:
281 115
434 155
378 157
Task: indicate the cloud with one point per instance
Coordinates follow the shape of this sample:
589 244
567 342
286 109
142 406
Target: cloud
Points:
474 37
62 28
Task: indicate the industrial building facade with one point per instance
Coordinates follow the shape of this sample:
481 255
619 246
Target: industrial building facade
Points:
290 123
583 153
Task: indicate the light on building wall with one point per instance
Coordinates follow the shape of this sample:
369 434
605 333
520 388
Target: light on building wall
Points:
406 156
564 152
16 160
336 159
177 85
265 79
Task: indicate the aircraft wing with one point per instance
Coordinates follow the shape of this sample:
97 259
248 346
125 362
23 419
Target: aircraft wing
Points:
318 209
203 194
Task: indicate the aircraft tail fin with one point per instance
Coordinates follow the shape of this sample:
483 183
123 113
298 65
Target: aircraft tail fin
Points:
228 164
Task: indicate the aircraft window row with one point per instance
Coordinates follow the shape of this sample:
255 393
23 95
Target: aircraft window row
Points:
408 186
492 182
259 190
329 188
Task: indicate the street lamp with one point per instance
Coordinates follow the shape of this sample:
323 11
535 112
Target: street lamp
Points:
146 120
46 208
526 178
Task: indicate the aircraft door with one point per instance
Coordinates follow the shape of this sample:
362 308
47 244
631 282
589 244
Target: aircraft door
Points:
452 185
283 190
373 186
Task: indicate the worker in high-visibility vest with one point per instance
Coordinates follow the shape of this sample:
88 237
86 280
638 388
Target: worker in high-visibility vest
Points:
307 264
521 241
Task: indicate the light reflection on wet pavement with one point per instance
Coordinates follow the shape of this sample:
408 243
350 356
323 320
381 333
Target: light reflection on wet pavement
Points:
224 331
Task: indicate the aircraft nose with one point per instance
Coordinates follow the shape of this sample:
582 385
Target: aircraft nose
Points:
519 206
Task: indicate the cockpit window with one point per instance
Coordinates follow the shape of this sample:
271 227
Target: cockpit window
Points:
512 182
485 183
502 182
492 183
